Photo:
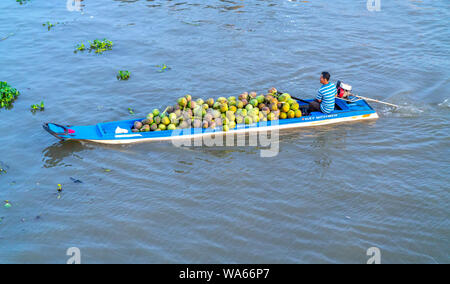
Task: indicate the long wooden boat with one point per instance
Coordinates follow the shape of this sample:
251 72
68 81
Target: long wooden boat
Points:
119 132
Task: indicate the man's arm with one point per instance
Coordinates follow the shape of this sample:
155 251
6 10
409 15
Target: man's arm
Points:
319 96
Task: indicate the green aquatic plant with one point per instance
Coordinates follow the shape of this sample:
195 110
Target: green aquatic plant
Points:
123 75
7 95
131 111
101 46
2 171
37 107
98 46
80 47
22 1
49 25
163 67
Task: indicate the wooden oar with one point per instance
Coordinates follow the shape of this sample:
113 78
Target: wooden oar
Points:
376 101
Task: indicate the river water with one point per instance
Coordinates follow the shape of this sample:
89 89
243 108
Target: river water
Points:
331 193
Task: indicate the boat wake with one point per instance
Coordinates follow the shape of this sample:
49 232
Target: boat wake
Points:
405 110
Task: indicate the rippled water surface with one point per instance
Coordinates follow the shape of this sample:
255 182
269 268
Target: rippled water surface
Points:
330 194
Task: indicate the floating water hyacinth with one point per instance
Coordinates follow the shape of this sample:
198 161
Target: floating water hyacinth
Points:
38 107
49 25
123 75
163 67
7 95
98 46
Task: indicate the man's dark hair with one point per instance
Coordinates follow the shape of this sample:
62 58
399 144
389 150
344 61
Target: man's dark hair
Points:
326 76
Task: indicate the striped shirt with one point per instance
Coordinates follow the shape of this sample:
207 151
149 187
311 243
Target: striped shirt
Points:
327 93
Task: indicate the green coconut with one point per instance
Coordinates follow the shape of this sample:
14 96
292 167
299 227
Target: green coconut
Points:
222 100
165 120
157 119
254 102
138 125
188 97
162 127
218 121
153 127
249 107
192 104
156 112
209 117
173 118
291 114
284 97
285 107
216 113
217 105
271 116
243 96
248 120
210 102
295 106
260 99
171 127
224 108
145 128
182 102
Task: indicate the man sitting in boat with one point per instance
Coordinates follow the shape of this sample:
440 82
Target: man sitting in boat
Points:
325 99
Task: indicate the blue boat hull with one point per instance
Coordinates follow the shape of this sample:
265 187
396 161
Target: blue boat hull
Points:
120 132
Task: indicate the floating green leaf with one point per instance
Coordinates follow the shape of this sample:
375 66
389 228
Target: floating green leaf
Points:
49 25
123 75
38 107
163 67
